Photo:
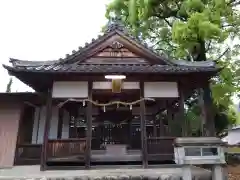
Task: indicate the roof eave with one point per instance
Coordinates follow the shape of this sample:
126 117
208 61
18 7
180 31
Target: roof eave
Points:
25 63
15 70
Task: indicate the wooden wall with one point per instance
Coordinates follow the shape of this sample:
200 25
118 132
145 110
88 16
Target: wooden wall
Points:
160 89
9 122
79 89
70 89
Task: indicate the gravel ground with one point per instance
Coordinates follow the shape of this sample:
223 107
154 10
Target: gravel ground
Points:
233 172
233 167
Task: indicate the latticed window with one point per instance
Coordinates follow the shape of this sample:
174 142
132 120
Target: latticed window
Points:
77 121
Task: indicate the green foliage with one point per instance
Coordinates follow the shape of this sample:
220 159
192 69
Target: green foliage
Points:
238 118
193 30
9 85
194 119
223 115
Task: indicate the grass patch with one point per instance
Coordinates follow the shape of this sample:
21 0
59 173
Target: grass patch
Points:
235 150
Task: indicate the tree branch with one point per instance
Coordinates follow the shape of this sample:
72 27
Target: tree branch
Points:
177 5
166 12
234 2
167 22
208 45
222 54
171 45
161 49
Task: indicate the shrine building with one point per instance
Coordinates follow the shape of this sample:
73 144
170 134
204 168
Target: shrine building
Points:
113 101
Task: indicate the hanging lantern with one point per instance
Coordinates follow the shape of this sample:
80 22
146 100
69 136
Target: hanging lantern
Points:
116 85
116 82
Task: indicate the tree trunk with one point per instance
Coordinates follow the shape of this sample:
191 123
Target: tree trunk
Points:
207 96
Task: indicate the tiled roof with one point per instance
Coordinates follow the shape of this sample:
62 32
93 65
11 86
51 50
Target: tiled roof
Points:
17 62
111 68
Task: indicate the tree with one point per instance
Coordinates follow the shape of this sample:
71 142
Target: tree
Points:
194 30
223 118
9 85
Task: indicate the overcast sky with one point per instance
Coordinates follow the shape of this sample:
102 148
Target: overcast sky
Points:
45 30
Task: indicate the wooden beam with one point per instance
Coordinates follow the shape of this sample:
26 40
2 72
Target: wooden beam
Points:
150 111
143 127
46 130
89 127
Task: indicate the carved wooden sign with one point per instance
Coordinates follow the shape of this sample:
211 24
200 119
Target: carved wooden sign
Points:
116 45
116 49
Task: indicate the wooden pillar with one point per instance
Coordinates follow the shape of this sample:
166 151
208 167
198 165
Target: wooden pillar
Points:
130 133
89 127
181 110
38 122
154 127
143 127
60 123
70 130
155 131
161 127
46 130
170 119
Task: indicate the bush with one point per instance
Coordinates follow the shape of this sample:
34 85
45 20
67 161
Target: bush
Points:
232 159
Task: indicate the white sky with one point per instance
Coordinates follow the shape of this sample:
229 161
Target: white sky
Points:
45 30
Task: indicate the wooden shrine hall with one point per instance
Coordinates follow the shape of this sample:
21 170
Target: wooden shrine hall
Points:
113 101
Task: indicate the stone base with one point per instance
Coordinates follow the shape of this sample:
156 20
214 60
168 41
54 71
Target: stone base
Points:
164 172
116 149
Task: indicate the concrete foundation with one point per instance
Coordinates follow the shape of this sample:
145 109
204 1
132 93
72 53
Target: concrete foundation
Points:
164 172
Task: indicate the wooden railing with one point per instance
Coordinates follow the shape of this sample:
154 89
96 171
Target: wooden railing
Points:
64 148
28 152
160 148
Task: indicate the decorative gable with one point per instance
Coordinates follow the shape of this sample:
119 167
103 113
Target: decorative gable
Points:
115 53
116 49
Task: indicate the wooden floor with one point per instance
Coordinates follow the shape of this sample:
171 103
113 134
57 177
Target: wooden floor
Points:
115 172
102 156
130 156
